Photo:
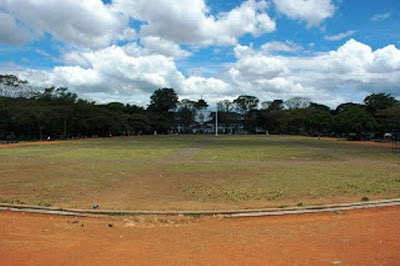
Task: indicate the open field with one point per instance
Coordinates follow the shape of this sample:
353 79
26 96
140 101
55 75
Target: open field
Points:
197 172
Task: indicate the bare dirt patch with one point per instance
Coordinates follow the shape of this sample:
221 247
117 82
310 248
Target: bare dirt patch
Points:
370 143
362 237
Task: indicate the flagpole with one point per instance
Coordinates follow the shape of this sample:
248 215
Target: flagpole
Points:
216 121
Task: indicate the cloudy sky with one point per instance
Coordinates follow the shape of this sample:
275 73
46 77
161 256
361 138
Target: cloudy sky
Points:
331 51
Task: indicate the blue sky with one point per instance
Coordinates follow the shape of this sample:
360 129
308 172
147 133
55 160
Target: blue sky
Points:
331 51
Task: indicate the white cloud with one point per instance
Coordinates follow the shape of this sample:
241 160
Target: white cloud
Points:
10 32
164 47
351 71
127 74
254 66
340 36
189 21
311 11
195 86
123 72
380 17
88 23
131 73
386 60
75 59
287 46
77 77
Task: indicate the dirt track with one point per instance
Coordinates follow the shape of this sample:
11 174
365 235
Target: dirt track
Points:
363 237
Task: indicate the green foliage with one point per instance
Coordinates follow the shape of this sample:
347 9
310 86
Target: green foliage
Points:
319 122
364 198
294 121
163 100
12 201
245 103
28 112
271 118
162 103
389 118
319 107
354 119
345 107
44 204
186 111
379 101
225 106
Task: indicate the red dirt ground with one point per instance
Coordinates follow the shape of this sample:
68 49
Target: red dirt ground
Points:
31 143
362 237
370 143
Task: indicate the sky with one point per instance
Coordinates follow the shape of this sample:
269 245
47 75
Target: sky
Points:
331 51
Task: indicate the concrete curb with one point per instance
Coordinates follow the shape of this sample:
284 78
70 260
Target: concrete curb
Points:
225 213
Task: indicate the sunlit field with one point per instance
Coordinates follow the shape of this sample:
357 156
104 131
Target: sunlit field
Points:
197 172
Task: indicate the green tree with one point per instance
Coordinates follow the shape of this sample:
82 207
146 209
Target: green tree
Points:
294 120
186 111
163 101
225 106
319 122
379 101
245 103
355 119
389 118
319 107
345 107
271 118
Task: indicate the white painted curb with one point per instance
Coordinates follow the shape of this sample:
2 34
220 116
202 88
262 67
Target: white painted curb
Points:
225 213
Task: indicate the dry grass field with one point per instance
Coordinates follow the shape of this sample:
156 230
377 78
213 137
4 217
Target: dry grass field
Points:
196 172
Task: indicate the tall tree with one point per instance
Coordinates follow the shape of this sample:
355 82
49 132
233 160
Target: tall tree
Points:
345 107
319 122
271 118
186 111
319 107
162 103
245 103
225 106
355 119
389 118
293 120
163 100
379 101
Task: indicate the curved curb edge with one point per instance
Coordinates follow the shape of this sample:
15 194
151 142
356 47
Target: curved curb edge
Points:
225 213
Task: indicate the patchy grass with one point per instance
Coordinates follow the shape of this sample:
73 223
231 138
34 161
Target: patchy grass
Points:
11 201
229 171
260 148
285 182
44 203
365 198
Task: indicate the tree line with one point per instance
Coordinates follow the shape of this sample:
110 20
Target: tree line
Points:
29 112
